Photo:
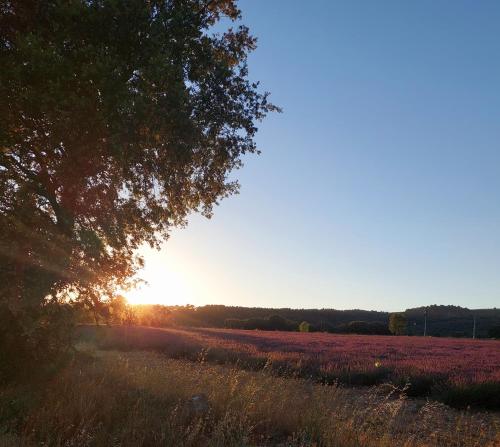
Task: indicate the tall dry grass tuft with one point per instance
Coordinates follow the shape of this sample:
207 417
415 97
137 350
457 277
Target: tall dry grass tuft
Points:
144 399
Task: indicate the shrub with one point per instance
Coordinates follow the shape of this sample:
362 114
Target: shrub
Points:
304 327
397 324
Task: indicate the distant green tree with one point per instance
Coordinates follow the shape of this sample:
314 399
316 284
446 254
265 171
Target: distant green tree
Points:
119 118
364 327
304 327
397 323
277 322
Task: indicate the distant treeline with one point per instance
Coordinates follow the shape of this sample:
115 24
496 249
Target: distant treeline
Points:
276 322
453 321
285 319
442 321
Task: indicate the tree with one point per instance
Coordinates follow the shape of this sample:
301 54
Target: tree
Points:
279 323
119 118
397 323
130 316
368 328
117 309
304 327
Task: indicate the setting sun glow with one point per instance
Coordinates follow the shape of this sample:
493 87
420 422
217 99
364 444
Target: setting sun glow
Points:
164 285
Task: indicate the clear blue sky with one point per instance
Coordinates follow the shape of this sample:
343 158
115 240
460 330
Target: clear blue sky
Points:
379 185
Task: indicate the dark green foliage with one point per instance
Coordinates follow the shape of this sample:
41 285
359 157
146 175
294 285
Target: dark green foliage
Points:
119 118
451 321
272 323
364 327
397 324
320 320
304 327
279 323
494 332
23 346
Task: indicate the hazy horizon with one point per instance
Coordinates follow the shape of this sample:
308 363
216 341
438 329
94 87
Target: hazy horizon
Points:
378 186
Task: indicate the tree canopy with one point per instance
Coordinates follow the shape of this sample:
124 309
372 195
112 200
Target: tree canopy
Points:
119 118
397 323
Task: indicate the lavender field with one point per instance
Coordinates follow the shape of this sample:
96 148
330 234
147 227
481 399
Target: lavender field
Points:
424 365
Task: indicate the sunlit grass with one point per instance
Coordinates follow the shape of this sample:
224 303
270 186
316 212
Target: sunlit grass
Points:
143 399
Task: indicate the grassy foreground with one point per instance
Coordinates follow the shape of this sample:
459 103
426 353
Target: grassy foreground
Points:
109 398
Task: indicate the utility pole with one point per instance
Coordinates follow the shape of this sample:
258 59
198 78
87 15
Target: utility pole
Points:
425 322
474 327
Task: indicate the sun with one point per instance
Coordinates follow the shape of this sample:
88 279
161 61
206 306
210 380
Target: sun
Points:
164 285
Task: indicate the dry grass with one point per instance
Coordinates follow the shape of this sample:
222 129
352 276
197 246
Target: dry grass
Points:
143 399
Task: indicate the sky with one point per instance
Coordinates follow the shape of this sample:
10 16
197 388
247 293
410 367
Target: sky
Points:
378 186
